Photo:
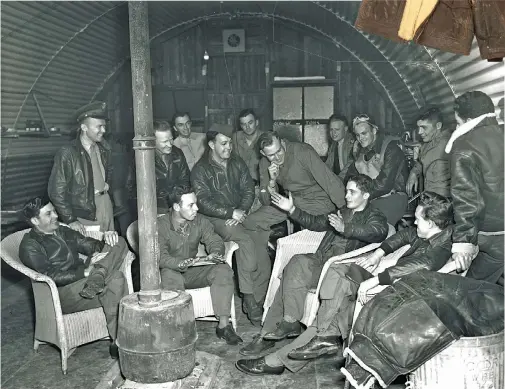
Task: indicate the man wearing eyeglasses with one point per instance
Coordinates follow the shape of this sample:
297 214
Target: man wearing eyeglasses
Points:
378 156
191 143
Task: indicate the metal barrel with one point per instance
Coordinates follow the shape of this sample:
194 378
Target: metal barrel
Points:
157 344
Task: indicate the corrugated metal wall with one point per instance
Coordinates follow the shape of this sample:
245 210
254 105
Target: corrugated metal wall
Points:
66 52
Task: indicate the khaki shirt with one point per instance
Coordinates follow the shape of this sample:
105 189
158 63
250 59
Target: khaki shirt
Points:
248 153
192 147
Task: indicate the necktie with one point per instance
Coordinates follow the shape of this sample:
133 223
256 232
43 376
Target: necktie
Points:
98 174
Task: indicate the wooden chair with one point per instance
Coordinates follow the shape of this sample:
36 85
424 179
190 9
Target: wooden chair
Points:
202 301
66 331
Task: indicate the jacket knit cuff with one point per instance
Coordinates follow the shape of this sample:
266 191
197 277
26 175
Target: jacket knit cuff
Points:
466 248
229 214
79 273
296 214
348 230
384 278
386 248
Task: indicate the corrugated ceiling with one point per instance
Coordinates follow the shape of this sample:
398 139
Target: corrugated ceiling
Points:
65 51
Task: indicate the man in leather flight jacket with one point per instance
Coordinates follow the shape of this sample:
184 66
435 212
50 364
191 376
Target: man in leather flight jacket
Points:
477 187
78 185
170 167
52 249
355 226
378 156
225 193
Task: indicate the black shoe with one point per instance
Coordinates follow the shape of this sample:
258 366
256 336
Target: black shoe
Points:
257 366
318 346
284 330
228 333
114 351
252 309
257 346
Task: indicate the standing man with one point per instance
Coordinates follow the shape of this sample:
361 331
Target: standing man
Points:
342 141
245 141
78 185
192 144
297 168
54 250
172 171
433 162
245 146
225 193
476 152
378 156
179 233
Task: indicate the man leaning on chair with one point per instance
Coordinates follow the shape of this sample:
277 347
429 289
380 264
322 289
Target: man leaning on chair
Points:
53 249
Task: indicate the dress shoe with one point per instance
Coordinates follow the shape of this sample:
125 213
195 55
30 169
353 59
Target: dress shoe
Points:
285 330
257 346
257 366
114 351
228 333
318 346
252 309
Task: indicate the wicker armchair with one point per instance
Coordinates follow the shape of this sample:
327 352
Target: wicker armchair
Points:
202 301
66 331
306 242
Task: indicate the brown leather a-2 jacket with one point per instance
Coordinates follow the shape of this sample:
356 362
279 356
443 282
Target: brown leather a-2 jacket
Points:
57 255
477 181
361 228
169 176
220 190
70 187
428 254
450 27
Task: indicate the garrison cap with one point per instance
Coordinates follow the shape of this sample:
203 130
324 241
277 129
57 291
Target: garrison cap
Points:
95 109
225 129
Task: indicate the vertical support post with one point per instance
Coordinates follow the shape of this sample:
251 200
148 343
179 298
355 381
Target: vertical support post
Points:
144 145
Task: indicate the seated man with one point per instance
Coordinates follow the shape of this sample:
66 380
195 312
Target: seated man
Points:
430 249
54 250
225 193
378 156
355 226
298 169
179 233
170 167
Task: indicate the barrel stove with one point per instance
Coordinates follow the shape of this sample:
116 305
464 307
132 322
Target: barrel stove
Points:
157 344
